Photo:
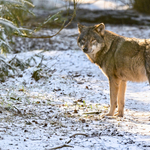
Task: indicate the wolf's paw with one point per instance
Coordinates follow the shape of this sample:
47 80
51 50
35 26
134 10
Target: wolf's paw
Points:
119 114
108 115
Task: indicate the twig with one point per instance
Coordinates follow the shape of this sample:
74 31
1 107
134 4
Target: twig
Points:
91 113
79 134
17 110
66 143
58 147
62 27
40 64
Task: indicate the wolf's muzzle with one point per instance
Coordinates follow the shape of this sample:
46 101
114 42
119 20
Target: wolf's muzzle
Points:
85 49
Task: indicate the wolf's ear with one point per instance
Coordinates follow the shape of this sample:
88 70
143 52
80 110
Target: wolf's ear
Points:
100 28
80 27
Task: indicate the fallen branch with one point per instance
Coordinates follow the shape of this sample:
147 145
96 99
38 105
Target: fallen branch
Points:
91 113
58 147
66 143
79 134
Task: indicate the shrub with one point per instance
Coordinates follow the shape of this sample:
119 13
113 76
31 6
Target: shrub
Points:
12 13
142 6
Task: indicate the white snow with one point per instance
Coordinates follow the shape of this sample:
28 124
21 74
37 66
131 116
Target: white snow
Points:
41 114
84 4
103 4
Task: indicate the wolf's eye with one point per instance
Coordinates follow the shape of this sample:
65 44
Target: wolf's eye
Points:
83 40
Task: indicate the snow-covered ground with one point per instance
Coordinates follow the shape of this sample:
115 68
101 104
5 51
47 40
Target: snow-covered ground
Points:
85 4
65 106
104 4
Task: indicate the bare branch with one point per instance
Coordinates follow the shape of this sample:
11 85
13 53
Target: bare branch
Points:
62 27
79 134
58 147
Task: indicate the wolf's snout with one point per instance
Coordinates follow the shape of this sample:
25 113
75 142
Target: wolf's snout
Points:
85 49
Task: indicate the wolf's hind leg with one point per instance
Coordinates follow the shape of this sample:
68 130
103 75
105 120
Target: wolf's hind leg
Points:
147 62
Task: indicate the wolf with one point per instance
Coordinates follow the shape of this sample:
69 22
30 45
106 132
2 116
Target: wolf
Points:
120 58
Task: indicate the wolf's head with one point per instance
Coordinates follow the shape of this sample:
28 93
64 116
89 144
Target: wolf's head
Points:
90 39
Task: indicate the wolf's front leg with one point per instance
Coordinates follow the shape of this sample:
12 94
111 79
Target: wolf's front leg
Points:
114 87
121 98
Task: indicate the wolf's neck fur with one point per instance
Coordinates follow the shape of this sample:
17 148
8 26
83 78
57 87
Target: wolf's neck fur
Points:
109 39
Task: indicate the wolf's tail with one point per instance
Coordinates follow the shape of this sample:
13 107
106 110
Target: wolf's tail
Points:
147 62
